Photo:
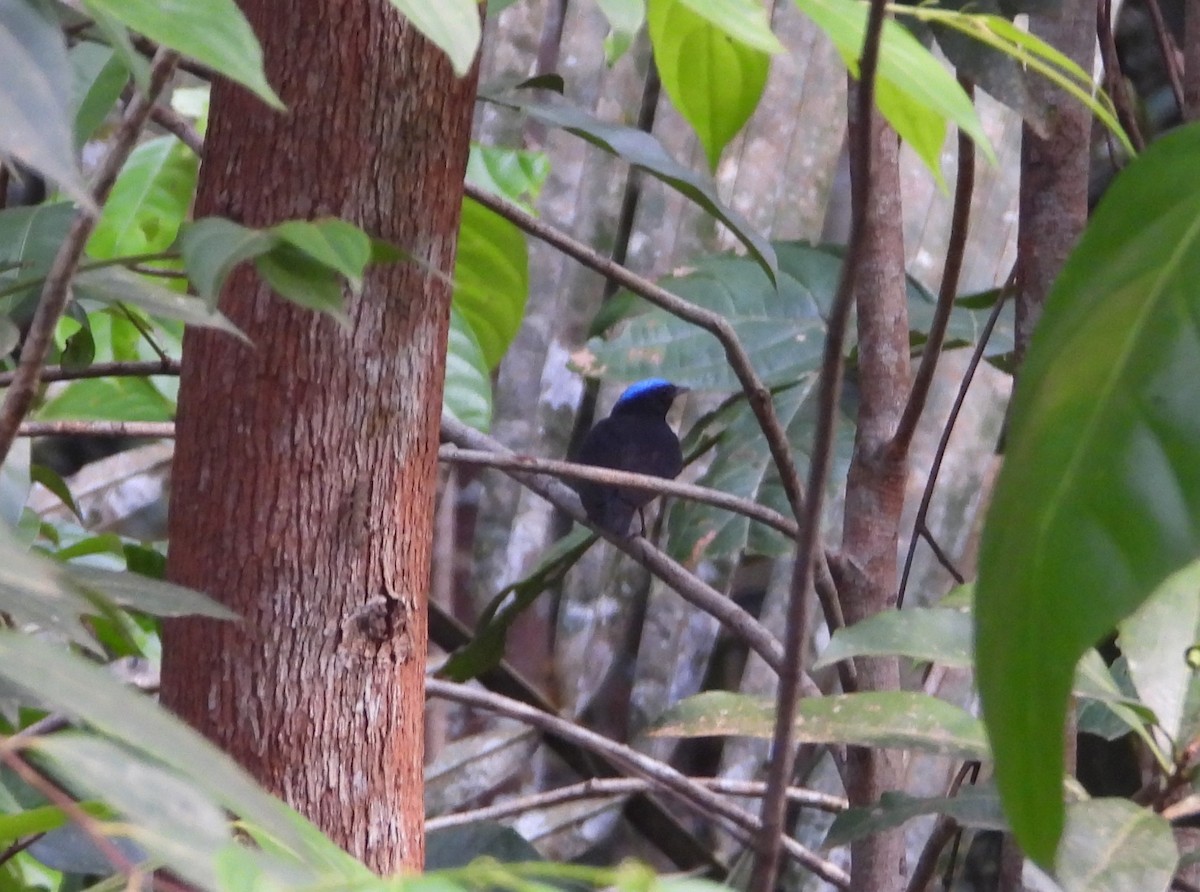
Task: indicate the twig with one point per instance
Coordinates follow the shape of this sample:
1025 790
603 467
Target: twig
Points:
940 554
743 626
645 813
1117 87
698 797
940 455
783 749
1170 53
79 817
101 370
756 391
161 430
964 188
598 788
178 126
144 331
943 831
659 485
56 290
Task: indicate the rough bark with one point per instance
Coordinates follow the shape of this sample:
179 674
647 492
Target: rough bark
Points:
1054 169
875 486
305 470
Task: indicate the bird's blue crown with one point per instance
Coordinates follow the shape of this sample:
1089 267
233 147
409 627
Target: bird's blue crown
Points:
643 388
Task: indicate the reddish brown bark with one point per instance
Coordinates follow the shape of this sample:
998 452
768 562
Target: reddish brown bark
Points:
867 578
305 467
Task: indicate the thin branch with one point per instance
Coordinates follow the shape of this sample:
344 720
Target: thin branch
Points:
943 831
601 788
940 554
56 291
940 455
740 623
144 331
1118 89
100 370
89 825
783 749
964 189
702 800
645 813
1170 54
160 430
756 391
658 485
179 126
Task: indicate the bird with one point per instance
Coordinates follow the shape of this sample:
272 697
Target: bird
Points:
634 437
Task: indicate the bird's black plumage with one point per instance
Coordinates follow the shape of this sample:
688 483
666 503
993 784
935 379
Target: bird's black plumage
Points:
634 437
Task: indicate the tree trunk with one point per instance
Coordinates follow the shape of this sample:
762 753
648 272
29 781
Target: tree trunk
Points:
1054 169
305 467
875 486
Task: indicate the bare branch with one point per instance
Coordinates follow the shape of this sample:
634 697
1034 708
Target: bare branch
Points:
964 189
1118 88
56 290
745 627
162 430
698 797
601 788
939 456
714 323
100 370
1172 59
659 485
783 749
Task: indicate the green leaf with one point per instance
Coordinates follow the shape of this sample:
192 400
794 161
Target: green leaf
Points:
931 635
100 76
15 482
149 200
913 90
32 821
468 392
781 325
625 20
1155 640
1113 845
213 246
170 818
452 25
339 245
90 694
50 479
29 239
210 31
107 399
887 719
35 96
115 284
1099 497
646 153
296 276
745 21
486 648
742 465
515 174
713 78
976 807
491 279
35 590
152 596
